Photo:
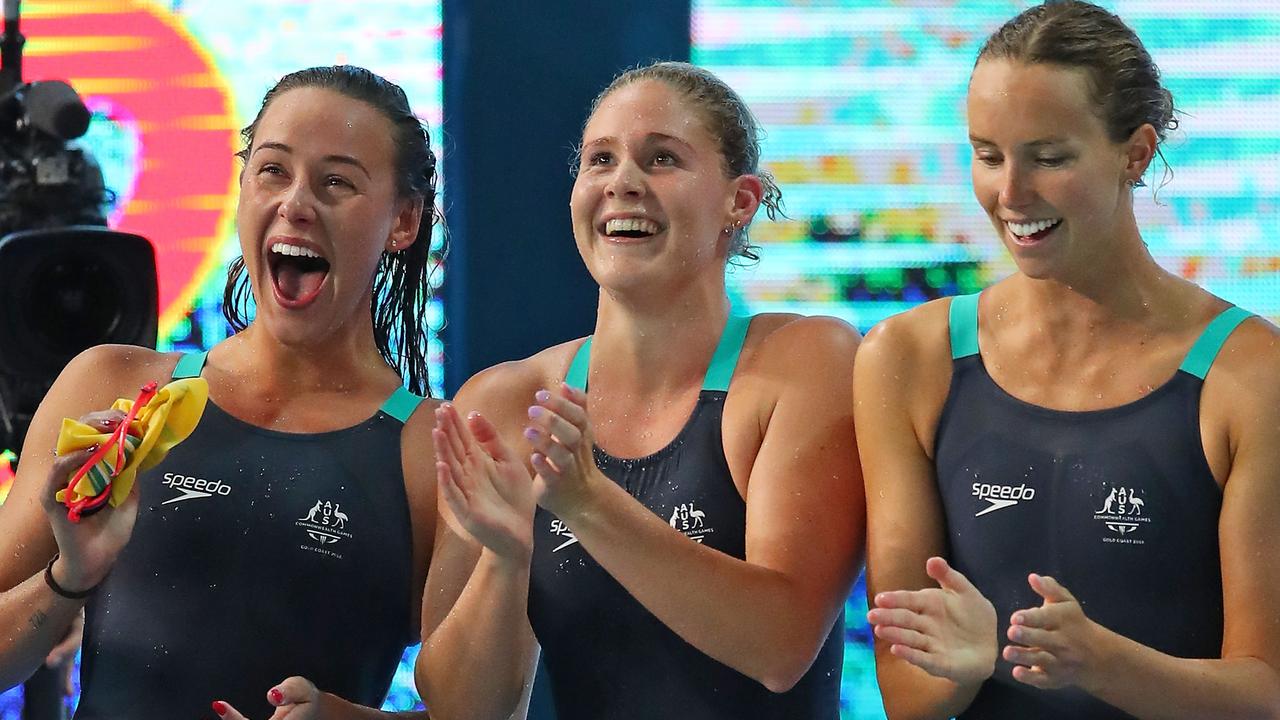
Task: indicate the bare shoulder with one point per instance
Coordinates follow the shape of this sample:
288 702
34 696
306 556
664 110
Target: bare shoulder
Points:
1247 369
423 418
916 339
1253 349
903 373
787 337
99 375
509 387
789 361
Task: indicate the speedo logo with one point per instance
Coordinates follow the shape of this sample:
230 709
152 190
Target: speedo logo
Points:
193 487
559 528
1001 496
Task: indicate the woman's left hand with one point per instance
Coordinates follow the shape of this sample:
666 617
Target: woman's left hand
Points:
560 434
1056 645
296 698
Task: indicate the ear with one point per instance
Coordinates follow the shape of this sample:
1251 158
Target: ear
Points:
405 230
748 192
1139 151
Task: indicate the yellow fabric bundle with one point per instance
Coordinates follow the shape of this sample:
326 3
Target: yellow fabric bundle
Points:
166 420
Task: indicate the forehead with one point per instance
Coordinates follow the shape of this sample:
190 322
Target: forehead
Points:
1011 100
316 120
644 107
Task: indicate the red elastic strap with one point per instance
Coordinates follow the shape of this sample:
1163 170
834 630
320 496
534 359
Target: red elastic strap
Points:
76 508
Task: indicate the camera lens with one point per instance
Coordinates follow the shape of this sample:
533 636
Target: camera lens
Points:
75 303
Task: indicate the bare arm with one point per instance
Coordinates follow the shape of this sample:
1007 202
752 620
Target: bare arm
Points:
32 529
900 382
765 616
36 619
479 653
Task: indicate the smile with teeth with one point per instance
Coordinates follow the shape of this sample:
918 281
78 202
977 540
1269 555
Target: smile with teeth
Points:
1034 227
631 227
293 250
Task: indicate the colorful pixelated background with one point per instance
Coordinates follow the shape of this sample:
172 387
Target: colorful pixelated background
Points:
863 102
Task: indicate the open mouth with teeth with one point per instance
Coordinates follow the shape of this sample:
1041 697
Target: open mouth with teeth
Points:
1026 233
631 228
297 274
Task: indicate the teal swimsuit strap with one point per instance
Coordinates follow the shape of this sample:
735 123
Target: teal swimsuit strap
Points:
401 404
963 323
190 365
1201 356
577 375
719 373
725 359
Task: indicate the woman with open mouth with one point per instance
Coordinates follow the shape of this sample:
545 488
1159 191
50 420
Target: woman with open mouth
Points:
283 546
1071 476
671 509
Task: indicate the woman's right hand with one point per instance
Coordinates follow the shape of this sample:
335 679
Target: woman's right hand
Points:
487 488
948 631
87 549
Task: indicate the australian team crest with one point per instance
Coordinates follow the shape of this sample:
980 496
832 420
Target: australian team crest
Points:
326 524
1123 512
688 519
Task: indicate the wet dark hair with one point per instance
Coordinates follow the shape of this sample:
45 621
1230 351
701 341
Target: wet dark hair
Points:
728 119
401 284
1123 79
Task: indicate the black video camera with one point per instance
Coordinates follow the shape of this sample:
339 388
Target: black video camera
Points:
67 282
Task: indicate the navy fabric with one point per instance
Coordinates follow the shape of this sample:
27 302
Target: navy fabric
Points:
608 657
257 555
1118 504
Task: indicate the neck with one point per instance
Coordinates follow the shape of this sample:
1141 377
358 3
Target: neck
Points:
653 347
344 359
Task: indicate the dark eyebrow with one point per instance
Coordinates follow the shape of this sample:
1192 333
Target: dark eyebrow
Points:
608 139
974 139
341 159
661 137
1046 141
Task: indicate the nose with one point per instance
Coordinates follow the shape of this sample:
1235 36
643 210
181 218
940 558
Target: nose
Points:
627 180
298 206
1016 185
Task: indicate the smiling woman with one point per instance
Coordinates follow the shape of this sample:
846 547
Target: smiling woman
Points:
1097 474
335 221
670 508
400 288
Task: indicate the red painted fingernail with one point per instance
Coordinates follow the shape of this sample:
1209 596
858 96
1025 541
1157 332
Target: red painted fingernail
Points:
219 707
276 696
